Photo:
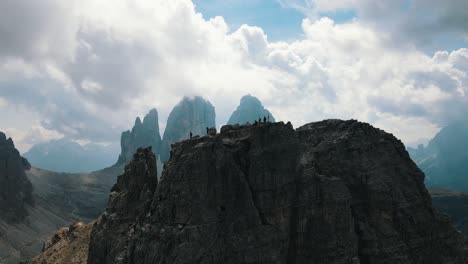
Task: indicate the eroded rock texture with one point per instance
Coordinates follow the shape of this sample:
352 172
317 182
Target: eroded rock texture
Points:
69 245
249 110
329 192
142 135
192 114
15 188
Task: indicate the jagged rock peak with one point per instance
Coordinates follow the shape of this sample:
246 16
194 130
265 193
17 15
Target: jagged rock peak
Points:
192 114
249 110
143 134
329 192
137 122
151 120
129 201
2 138
15 187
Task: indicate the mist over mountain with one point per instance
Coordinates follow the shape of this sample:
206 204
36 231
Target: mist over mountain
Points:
445 159
192 114
64 155
249 110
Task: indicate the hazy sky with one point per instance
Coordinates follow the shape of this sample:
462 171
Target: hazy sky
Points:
85 69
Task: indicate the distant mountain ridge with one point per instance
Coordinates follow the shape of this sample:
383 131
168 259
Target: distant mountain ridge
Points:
64 155
445 159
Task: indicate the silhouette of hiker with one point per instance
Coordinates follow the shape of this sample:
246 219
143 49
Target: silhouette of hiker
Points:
207 130
264 119
190 134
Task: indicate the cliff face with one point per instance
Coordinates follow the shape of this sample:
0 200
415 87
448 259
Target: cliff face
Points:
190 115
129 202
328 192
15 188
249 110
143 134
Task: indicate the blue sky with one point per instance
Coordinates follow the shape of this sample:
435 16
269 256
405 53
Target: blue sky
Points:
284 23
278 22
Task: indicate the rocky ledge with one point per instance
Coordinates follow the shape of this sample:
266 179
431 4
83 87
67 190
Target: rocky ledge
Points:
329 192
68 245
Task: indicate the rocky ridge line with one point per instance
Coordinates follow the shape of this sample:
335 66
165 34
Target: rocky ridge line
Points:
329 192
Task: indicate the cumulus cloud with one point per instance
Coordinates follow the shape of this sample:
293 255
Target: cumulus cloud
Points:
85 74
408 22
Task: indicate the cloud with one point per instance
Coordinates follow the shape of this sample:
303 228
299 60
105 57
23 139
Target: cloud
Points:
408 22
92 72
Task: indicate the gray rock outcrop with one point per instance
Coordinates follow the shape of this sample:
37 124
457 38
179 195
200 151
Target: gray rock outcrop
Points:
143 134
249 110
15 188
329 192
192 114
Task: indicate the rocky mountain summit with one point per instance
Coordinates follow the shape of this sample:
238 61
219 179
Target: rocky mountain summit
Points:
192 114
15 188
143 134
329 192
249 110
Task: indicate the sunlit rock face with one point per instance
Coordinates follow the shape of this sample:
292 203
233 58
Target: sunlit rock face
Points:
249 110
335 191
15 188
192 114
143 134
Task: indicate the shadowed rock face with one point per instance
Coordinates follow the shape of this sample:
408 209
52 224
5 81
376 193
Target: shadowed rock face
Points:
249 110
329 192
143 134
190 115
15 188
129 201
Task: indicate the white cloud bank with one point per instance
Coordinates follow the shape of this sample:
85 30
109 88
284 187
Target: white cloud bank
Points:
84 69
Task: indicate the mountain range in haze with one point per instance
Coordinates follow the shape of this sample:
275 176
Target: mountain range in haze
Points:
445 158
65 155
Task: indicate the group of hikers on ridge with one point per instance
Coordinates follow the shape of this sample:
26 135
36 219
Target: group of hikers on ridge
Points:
256 122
